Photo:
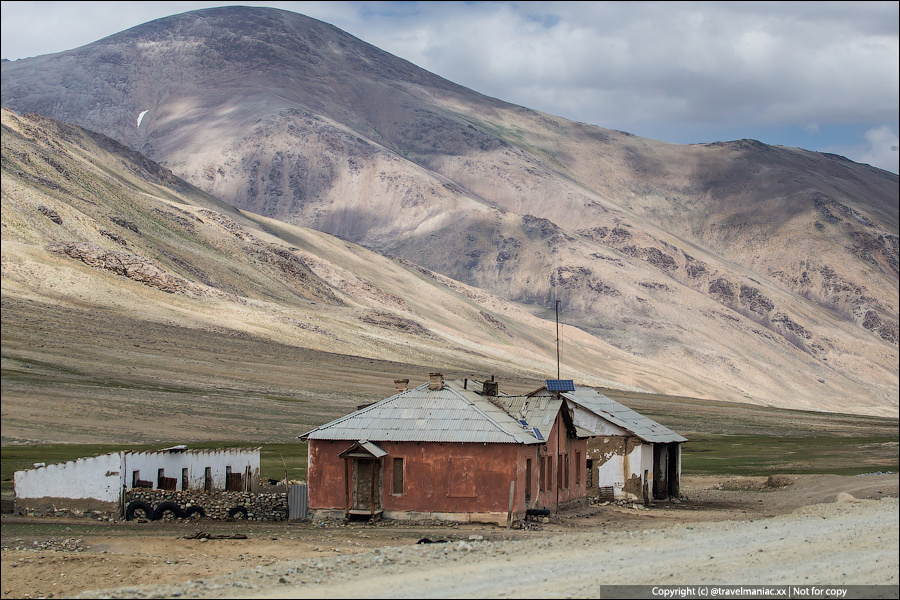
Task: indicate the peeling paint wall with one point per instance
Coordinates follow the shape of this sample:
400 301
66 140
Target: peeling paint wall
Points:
98 478
624 464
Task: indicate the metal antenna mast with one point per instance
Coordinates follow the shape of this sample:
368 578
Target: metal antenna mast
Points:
557 339
556 307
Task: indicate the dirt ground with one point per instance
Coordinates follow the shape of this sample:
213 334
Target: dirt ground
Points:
54 557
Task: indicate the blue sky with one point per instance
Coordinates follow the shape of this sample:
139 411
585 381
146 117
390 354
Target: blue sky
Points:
818 75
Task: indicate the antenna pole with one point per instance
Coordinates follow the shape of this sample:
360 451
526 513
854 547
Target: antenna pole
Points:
557 339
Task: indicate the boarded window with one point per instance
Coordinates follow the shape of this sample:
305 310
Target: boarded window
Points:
185 484
207 479
566 469
165 483
559 471
527 481
398 476
234 482
462 478
578 468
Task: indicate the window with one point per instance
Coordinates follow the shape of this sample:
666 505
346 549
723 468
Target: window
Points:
527 481
398 476
566 469
559 471
578 468
207 479
160 475
135 478
184 479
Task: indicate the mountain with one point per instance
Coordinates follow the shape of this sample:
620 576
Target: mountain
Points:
135 304
758 273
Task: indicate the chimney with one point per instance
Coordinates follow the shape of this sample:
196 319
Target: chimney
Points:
491 388
436 382
401 385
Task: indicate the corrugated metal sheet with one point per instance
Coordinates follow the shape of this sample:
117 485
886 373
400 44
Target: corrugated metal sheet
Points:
451 414
298 502
643 427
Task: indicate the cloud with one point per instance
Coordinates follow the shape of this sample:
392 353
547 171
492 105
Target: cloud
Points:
625 64
880 149
676 71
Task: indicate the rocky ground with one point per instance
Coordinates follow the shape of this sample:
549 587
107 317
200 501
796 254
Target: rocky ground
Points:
799 530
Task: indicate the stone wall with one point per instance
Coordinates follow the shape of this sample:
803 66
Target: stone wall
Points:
260 507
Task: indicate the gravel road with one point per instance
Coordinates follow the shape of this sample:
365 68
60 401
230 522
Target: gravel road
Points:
845 542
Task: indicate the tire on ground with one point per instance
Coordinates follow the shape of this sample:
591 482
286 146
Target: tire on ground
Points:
139 510
194 512
167 507
238 512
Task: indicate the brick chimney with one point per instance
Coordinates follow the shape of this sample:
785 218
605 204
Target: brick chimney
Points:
436 382
401 385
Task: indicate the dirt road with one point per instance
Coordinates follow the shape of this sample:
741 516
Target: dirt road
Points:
728 531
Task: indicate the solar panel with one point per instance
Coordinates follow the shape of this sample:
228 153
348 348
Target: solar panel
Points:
523 423
537 433
561 385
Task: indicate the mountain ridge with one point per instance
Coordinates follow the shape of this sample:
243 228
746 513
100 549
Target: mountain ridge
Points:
680 255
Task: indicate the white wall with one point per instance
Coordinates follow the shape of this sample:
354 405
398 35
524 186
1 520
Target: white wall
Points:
195 461
618 469
98 478
103 477
594 422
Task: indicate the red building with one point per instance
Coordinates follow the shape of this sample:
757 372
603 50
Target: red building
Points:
455 451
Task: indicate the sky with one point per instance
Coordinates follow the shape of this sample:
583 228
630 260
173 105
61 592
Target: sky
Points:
817 75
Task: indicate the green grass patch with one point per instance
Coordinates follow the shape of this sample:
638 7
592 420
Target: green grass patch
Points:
759 455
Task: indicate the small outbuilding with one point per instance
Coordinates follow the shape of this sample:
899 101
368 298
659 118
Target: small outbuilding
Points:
99 482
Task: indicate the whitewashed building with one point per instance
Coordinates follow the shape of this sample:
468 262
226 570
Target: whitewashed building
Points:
99 482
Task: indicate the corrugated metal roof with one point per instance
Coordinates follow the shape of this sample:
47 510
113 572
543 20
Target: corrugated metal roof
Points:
451 414
539 411
643 427
456 414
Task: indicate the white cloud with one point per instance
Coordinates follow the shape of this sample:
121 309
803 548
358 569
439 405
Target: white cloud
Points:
643 67
880 150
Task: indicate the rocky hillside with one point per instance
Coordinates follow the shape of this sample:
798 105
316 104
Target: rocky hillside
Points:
761 274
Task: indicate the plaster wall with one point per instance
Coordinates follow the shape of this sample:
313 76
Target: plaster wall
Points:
98 478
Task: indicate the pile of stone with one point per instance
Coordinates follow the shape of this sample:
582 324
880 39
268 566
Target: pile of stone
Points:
218 505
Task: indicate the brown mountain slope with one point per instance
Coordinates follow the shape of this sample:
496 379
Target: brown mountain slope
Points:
770 271
134 302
